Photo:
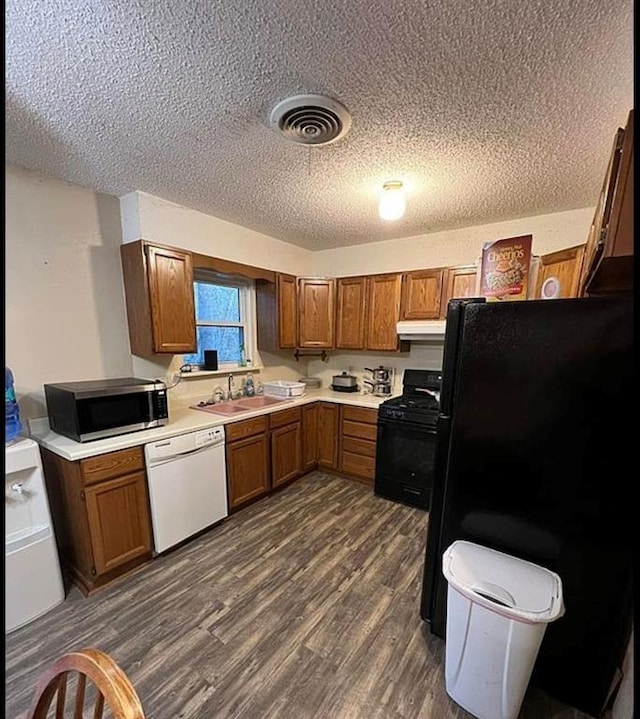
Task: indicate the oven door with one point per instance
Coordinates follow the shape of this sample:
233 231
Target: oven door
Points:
404 461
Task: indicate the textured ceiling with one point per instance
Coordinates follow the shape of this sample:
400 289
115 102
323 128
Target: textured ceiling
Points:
487 109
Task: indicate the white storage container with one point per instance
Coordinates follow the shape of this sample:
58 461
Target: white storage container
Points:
498 608
284 388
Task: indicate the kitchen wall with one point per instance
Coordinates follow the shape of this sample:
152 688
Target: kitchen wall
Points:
198 386
65 312
152 218
422 355
441 249
454 247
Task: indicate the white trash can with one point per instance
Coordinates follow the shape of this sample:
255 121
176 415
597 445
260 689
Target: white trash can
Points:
498 608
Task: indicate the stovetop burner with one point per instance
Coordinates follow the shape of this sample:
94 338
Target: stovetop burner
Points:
419 401
413 401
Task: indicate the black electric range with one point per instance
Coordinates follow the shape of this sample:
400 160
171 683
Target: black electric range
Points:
405 447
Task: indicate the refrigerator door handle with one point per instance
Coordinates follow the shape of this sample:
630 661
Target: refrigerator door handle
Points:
452 338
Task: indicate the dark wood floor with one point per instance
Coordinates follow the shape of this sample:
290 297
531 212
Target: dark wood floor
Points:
304 605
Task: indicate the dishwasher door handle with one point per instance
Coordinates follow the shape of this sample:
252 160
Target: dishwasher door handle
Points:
177 455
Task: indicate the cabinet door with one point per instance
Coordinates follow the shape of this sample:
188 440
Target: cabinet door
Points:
351 295
119 524
565 267
610 266
459 282
383 311
619 241
277 313
309 437
328 416
286 455
171 296
287 312
597 234
421 292
247 470
316 315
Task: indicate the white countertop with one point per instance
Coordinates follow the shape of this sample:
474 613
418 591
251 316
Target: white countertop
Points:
183 419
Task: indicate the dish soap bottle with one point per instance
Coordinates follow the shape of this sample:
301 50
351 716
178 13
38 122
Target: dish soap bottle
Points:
249 387
13 426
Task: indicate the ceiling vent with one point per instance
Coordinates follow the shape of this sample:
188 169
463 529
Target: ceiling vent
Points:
311 119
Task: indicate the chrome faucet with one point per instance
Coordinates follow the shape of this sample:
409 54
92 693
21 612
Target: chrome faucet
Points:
230 386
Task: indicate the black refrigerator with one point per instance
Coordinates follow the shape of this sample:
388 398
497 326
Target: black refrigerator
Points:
536 457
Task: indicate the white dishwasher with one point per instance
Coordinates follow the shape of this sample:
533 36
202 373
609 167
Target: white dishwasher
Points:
187 485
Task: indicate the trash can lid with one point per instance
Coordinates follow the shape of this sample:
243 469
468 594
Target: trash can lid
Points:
504 584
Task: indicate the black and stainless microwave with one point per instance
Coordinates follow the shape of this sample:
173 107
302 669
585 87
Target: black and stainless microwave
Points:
96 409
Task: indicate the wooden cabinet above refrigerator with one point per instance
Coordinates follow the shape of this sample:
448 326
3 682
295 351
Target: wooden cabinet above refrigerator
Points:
608 264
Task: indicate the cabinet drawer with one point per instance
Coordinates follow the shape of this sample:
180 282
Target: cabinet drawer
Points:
359 446
112 464
358 465
285 416
359 430
360 414
246 428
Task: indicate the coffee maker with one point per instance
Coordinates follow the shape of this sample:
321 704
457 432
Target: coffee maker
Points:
379 381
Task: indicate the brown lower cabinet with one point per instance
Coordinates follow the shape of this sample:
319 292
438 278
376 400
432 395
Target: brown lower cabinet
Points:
309 436
100 511
328 420
247 448
358 433
286 445
263 453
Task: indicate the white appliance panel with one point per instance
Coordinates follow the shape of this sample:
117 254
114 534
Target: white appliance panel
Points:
187 485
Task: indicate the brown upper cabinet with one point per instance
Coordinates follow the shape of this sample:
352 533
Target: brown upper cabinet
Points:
459 281
367 310
158 283
351 301
421 293
608 262
565 267
383 312
277 313
316 303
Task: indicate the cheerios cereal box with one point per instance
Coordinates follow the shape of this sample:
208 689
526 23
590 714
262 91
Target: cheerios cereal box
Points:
504 272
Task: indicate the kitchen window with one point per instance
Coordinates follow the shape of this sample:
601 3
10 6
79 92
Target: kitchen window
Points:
225 319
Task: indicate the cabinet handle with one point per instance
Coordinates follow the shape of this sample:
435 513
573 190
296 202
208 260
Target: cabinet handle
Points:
82 495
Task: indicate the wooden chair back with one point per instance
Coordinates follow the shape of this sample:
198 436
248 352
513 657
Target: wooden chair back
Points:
85 676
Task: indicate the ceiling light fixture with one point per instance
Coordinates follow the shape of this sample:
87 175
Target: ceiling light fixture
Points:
392 201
